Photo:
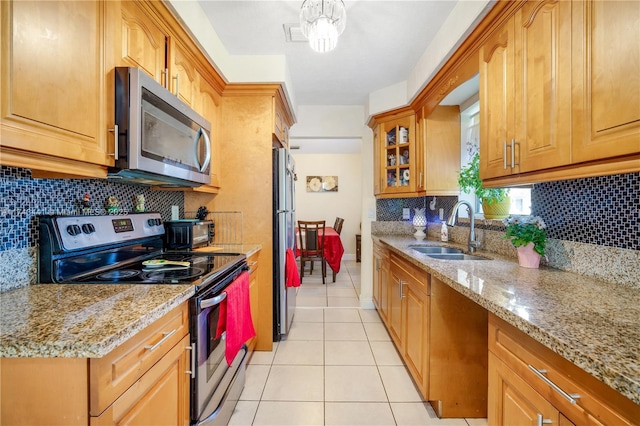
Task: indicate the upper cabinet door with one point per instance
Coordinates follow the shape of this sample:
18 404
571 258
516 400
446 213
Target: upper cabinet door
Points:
398 156
207 104
54 83
607 78
543 84
525 91
143 42
496 103
184 78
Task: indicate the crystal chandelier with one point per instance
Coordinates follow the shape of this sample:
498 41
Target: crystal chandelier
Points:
322 21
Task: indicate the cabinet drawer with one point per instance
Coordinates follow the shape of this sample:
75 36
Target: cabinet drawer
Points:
418 278
111 375
159 397
379 250
597 402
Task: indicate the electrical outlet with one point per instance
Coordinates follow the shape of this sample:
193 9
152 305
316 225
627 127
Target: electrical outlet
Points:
406 214
441 214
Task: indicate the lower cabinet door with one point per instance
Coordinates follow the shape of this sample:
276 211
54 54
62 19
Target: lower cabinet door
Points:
395 308
513 402
416 348
160 397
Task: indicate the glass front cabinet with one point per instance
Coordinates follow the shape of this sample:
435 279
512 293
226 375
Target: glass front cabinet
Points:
395 154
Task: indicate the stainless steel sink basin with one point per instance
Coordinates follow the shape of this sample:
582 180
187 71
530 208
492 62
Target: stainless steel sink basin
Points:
435 249
456 256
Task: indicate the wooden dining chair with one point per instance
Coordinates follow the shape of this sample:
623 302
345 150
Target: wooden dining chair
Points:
311 246
338 224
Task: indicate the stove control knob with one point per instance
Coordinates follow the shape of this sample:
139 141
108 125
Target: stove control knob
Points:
151 222
88 228
73 230
158 221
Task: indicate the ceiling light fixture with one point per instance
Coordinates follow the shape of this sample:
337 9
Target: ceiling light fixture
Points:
322 21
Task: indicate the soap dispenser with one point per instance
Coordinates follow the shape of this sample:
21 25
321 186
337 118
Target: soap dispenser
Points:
444 232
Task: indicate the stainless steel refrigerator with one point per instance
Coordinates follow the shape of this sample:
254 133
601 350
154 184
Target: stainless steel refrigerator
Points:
284 237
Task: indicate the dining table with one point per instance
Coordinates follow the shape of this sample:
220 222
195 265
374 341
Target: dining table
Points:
333 248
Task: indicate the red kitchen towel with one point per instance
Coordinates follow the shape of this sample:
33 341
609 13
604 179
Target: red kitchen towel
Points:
291 277
235 310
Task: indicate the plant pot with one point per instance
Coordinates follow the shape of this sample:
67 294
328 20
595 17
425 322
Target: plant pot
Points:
528 257
497 209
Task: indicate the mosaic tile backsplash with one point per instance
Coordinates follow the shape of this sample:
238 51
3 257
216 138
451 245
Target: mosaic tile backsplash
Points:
602 210
22 198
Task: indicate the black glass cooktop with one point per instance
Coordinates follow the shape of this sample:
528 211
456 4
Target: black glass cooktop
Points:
196 267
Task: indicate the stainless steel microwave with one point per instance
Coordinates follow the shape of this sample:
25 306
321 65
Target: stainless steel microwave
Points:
161 140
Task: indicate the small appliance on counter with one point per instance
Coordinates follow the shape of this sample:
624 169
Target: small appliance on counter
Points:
187 234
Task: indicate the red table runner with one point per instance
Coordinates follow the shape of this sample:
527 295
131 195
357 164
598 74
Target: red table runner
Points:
333 248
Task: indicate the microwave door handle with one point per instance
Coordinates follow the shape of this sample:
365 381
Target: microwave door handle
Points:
207 148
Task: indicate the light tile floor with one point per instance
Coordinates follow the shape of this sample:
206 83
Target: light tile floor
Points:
337 366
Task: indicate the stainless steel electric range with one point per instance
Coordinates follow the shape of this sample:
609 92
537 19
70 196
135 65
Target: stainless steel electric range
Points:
128 249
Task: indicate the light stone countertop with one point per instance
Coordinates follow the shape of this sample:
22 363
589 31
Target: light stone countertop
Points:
593 324
84 320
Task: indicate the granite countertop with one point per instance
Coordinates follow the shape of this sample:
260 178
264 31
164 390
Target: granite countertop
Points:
80 320
593 324
85 320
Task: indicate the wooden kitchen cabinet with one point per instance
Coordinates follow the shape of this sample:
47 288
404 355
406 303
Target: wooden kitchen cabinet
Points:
521 373
248 134
159 397
525 91
438 151
409 289
381 280
441 336
57 87
145 380
515 402
143 41
395 144
606 115
207 103
559 97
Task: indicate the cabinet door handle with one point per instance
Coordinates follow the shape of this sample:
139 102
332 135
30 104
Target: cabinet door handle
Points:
165 73
192 372
421 185
116 136
513 153
542 421
167 334
177 79
571 397
504 155
400 284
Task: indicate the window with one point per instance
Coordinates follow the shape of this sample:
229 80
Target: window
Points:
470 145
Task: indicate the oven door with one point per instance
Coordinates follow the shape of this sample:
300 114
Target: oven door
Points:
216 386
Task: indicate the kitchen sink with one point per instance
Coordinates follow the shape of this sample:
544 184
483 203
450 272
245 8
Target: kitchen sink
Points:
435 250
456 256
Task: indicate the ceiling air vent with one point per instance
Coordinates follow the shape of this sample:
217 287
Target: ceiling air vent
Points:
293 33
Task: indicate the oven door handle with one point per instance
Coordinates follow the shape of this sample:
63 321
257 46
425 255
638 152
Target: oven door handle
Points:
207 303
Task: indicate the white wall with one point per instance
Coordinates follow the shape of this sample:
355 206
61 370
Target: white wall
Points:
345 203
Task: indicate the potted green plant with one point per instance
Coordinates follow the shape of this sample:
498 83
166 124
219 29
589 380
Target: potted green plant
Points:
495 201
529 236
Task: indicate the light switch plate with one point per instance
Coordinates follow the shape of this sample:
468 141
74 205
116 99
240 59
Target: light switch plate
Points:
406 214
441 214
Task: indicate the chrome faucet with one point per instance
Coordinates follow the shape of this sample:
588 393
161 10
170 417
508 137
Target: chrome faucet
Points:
473 243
